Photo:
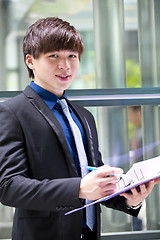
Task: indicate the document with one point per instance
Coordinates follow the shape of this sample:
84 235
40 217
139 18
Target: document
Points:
139 173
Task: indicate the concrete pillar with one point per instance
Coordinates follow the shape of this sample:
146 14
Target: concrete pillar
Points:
3 32
111 73
149 55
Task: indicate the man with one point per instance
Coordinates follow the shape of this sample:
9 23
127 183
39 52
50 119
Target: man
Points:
41 171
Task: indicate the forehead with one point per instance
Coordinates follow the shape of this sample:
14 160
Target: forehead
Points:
63 52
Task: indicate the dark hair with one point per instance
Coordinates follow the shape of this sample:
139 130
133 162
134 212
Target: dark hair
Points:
51 34
136 108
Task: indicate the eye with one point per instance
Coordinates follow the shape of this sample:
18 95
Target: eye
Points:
73 55
53 56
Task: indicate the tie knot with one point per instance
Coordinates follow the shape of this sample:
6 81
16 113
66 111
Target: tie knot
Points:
62 103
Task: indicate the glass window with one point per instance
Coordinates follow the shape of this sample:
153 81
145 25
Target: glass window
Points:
14 75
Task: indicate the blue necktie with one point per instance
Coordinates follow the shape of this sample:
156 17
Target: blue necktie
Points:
90 211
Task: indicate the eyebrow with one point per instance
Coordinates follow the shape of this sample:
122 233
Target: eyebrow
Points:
72 51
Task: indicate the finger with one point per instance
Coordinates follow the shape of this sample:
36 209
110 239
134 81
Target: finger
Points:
142 190
105 182
108 171
150 186
157 180
126 195
104 166
135 191
110 189
109 192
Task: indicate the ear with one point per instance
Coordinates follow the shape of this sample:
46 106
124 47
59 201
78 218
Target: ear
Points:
30 61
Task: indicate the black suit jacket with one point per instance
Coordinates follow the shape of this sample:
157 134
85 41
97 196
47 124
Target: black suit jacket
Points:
37 173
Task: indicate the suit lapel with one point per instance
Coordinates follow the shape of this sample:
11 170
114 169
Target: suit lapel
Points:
41 106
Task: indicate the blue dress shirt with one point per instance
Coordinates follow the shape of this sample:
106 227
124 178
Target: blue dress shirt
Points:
51 100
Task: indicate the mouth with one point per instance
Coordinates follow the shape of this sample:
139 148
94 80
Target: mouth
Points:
63 77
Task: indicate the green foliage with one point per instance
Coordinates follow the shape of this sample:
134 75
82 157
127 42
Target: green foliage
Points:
133 81
133 74
58 8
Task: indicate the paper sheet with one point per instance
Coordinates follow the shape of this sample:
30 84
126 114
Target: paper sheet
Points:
139 173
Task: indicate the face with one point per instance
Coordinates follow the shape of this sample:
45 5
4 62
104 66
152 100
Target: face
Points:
135 117
54 71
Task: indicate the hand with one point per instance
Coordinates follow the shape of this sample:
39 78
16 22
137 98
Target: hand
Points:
157 180
99 183
137 195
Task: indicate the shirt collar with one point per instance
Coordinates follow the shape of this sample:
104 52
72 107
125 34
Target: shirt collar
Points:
49 98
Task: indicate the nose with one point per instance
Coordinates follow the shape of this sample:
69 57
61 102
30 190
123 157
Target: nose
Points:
64 64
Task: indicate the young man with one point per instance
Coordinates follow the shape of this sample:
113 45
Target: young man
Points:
41 172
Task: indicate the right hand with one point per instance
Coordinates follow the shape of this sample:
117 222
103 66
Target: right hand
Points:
99 183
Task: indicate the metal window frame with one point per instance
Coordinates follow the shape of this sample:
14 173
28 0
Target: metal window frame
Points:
137 235
106 97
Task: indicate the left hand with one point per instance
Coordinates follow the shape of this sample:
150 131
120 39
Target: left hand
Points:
137 196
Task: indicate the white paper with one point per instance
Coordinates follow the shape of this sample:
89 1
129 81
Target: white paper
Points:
139 173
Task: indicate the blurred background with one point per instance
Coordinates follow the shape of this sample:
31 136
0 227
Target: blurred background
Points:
17 15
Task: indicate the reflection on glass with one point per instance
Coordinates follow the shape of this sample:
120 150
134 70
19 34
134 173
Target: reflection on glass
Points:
136 150
135 133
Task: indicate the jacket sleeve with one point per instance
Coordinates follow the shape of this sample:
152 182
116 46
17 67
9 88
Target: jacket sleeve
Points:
16 188
119 203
